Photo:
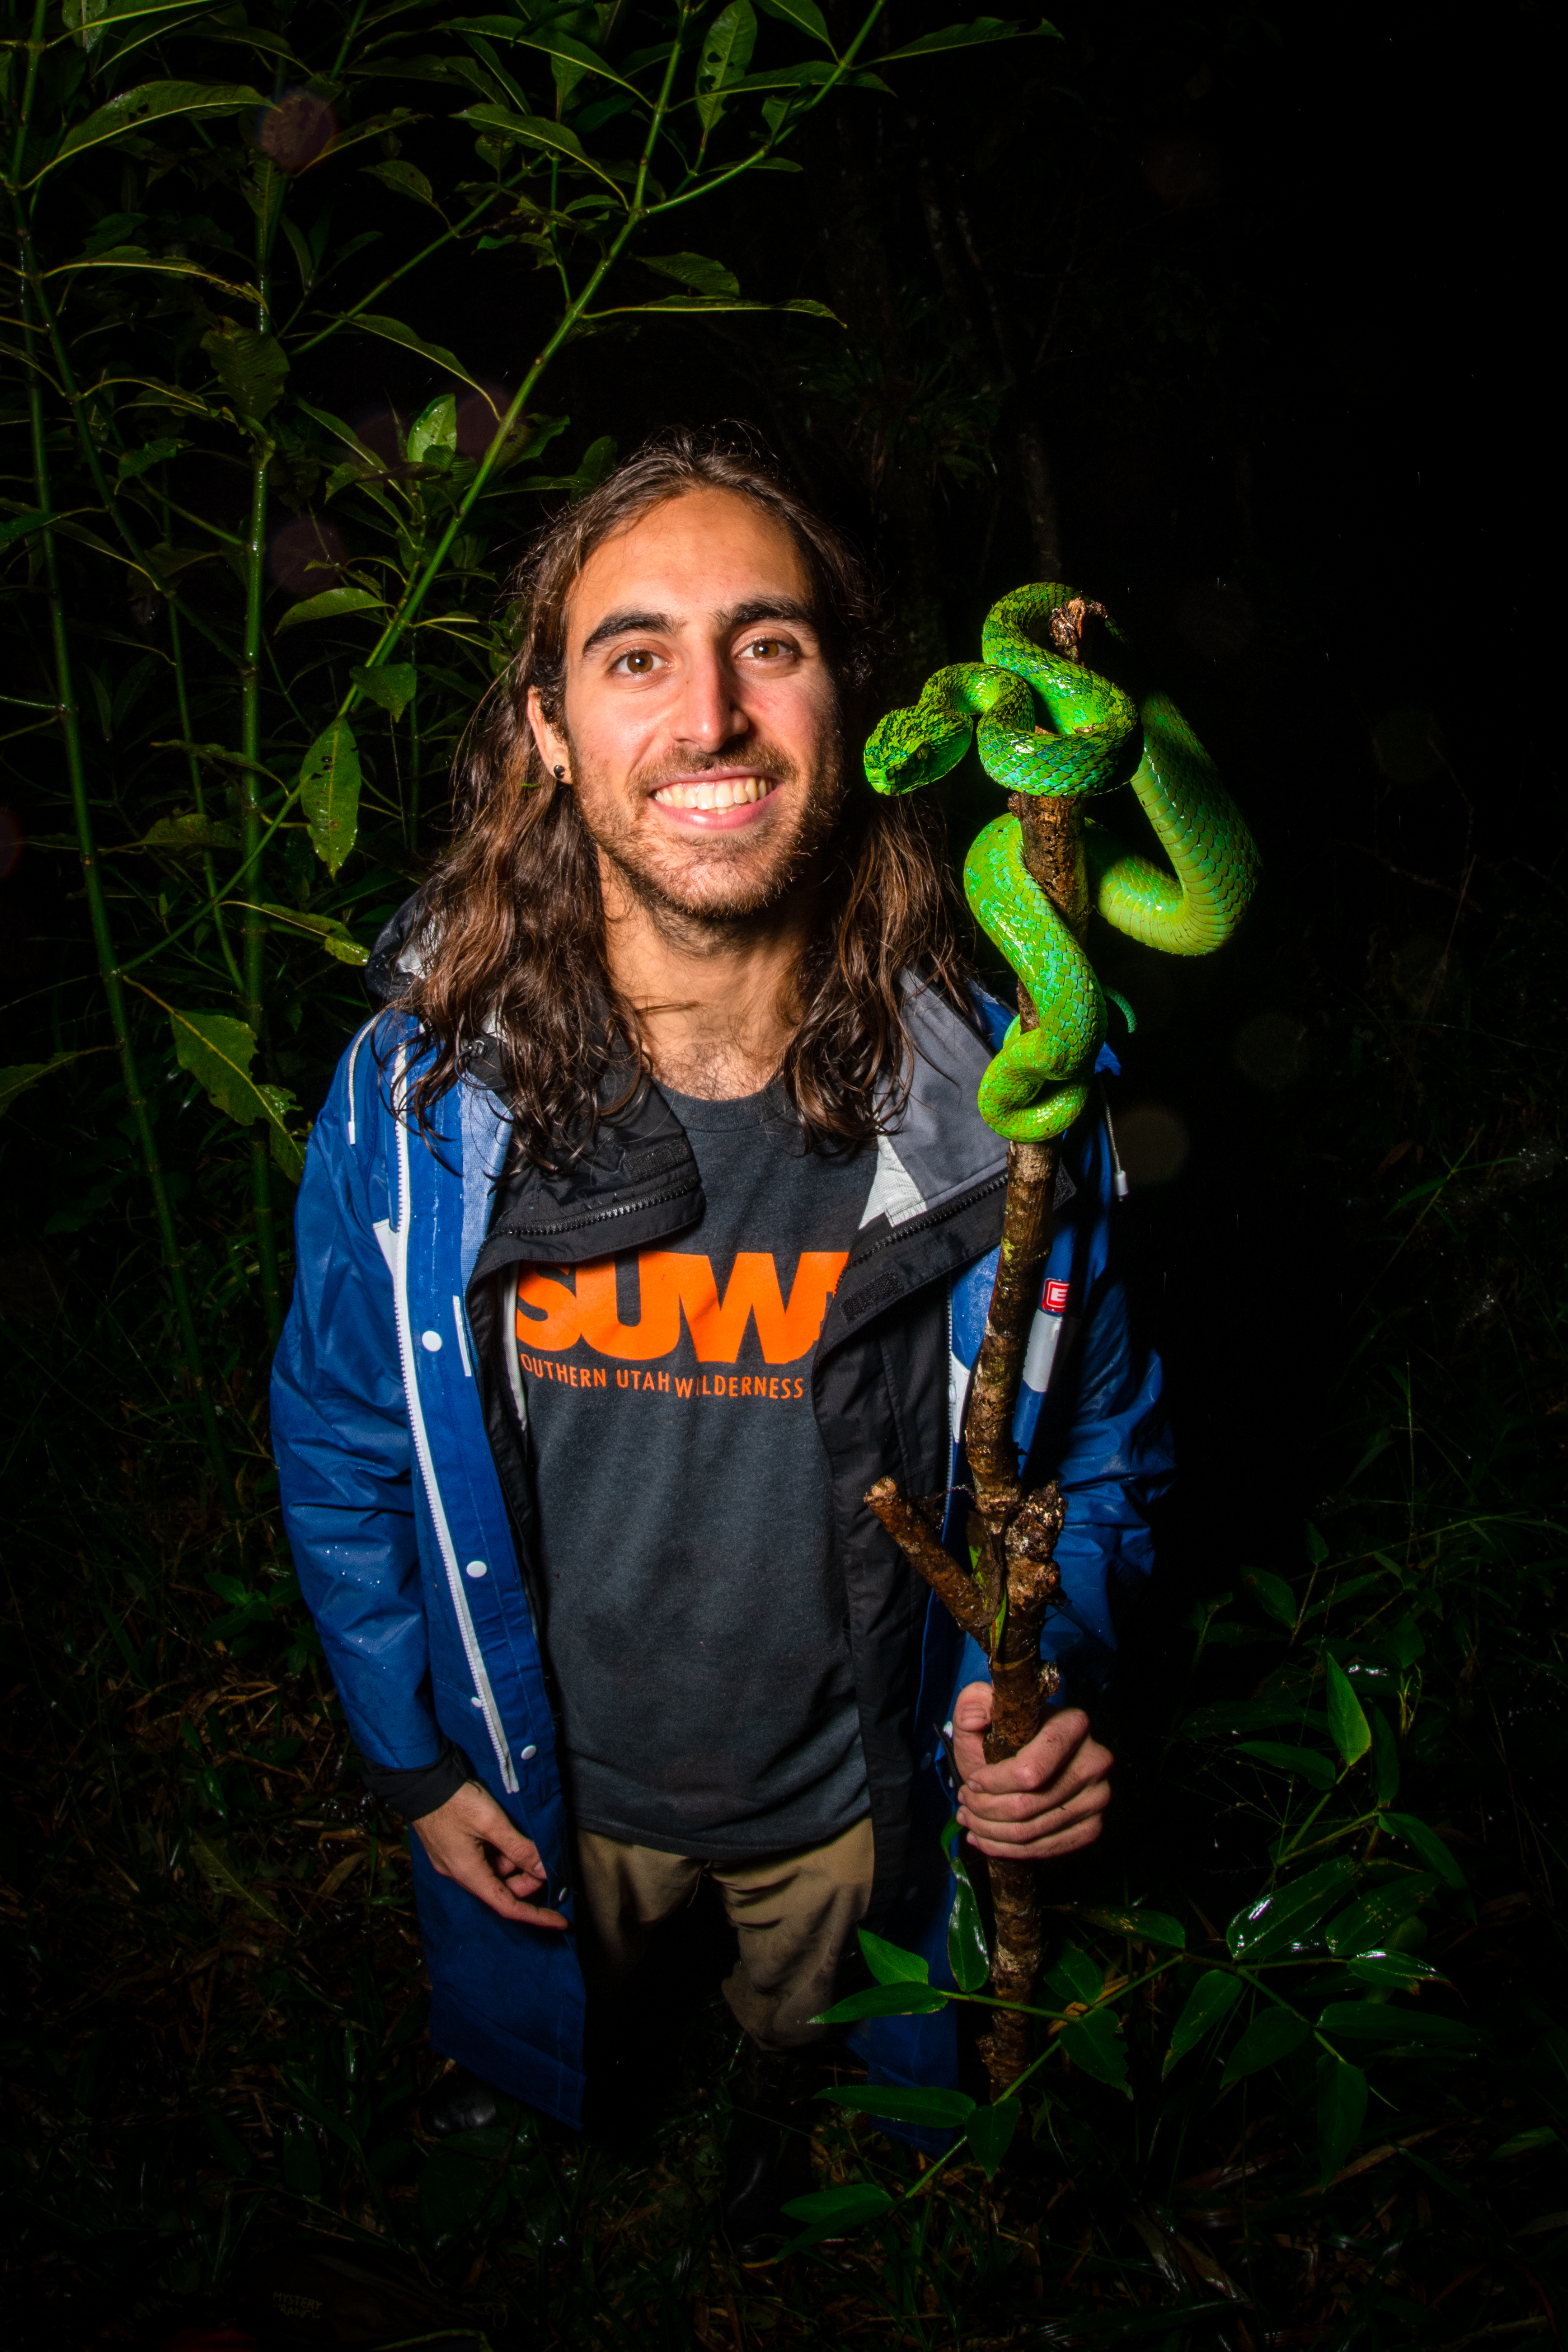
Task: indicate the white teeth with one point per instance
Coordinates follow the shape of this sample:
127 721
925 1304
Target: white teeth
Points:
730 794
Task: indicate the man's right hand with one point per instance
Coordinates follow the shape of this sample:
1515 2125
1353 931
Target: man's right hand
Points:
470 1839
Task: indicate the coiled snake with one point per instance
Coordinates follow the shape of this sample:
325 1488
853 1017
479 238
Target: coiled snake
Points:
1095 736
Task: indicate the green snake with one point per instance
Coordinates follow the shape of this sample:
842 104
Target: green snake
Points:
1094 736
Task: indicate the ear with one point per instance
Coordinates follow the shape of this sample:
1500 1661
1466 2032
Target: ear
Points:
551 746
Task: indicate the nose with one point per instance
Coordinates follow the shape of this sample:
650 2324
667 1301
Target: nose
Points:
710 713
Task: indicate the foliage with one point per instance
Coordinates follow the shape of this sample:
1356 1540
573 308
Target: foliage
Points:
1301 2061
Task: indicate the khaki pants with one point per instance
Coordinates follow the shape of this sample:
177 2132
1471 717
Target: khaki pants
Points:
793 1914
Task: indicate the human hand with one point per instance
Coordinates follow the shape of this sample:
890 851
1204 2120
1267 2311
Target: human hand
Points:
470 1839
1042 1803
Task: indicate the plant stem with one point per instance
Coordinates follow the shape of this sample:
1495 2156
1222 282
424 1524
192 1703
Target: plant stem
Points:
98 912
254 947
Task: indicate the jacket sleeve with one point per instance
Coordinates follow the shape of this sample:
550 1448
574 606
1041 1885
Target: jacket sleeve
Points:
341 1438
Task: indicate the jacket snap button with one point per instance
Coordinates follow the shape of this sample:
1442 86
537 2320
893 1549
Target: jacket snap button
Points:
431 1340
476 1567
526 1755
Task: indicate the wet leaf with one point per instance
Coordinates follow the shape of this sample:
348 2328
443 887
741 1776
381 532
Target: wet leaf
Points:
943 2109
1427 1844
393 685
1341 2104
990 2134
1367 1926
150 101
1304 1763
1273 2033
1289 1914
189 834
328 794
883 2000
1393 1971
251 368
1150 1926
217 1049
331 605
966 1954
403 180
726 48
435 427
1096 2047
890 1964
1349 1728
1208 2004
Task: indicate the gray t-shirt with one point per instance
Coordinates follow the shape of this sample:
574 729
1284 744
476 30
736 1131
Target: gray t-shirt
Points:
695 1612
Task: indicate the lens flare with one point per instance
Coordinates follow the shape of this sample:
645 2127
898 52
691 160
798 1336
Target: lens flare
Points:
307 556
1152 1142
296 131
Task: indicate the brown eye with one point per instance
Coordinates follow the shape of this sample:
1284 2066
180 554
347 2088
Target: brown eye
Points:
766 648
637 665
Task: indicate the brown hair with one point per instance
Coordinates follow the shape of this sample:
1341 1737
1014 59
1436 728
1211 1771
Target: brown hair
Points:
511 921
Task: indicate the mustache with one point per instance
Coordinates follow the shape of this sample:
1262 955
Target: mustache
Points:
755 758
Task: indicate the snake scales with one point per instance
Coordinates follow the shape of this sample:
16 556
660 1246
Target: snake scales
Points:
1050 724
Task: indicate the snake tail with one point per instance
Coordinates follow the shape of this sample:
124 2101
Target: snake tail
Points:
1194 908
1039 1083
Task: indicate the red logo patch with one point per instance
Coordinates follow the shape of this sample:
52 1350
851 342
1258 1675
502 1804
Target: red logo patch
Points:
1054 1299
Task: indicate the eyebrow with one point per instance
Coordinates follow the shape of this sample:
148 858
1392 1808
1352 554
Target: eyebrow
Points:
634 623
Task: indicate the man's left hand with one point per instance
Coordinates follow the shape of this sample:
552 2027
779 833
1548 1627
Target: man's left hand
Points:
1043 1802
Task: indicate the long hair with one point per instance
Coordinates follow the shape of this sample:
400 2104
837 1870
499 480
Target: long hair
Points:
512 923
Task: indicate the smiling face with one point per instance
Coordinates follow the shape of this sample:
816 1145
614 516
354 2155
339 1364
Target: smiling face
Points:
700 726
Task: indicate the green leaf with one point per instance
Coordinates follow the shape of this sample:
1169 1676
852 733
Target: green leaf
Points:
1316 1548
1286 1916
1393 1971
945 2109
551 45
535 131
188 834
726 48
1304 1762
1341 2104
16 1081
890 1964
1406 1643
212 1859
328 794
1149 1926
833 2212
137 462
967 37
1225 1718
690 303
333 933
393 685
809 75
1384 1757
1350 1731
331 605
1427 1844
403 180
20 526
1272 1595
393 330
1376 2021
694 269
1208 2004
1096 2048
1073 1975
883 2000
217 1050
435 427
1525 2142
251 368
990 2134
966 1954
150 101
805 14
1273 2033
1367 1926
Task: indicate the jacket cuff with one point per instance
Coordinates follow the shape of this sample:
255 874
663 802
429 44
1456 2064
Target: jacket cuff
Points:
415 1794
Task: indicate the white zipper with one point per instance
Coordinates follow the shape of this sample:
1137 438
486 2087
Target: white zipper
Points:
353 1057
471 1650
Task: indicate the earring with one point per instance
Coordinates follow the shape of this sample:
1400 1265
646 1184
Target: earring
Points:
561 775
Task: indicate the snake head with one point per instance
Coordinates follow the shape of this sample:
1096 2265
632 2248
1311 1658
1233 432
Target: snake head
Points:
915 747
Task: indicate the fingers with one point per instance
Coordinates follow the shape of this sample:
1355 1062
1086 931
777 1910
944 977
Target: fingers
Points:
1043 1832
971 1715
1052 1752
470 1841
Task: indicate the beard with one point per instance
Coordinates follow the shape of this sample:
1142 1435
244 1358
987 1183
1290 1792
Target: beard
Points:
700 890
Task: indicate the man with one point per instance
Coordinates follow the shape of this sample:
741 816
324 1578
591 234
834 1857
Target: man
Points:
652 1223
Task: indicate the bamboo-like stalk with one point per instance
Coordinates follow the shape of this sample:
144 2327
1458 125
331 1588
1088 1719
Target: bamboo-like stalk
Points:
93 880
1003 1605
254 938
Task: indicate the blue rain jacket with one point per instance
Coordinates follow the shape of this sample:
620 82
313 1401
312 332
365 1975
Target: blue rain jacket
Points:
405 1495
